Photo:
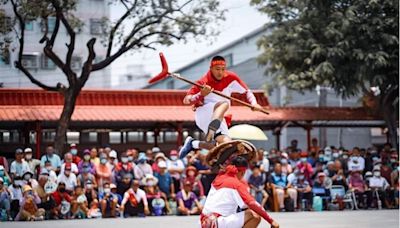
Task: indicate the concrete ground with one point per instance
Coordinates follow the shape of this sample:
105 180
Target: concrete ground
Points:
328 219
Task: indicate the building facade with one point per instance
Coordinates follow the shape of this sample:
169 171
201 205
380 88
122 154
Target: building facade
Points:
91 13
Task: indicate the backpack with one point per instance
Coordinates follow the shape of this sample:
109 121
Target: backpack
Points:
289 204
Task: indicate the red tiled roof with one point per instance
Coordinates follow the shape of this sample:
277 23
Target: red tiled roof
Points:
104 113
105 97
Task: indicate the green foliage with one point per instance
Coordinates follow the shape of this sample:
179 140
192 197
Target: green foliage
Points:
344 44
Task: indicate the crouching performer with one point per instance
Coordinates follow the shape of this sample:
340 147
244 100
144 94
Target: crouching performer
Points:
228 192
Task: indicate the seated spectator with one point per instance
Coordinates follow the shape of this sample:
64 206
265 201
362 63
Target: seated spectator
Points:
49 169
55 161
356 162
286 167
32 162
74 151
28 206
175 167
194 178
46 201
5 200
279 182
153 193
62 200
115 194
68 178
103 172
19 166
304 190
28 179
123 168
257 184
159 157
134 201
394 180
68 159
165 182
79 204
4 175
357 185
305 167
378 184
108 202
142 168
86 160
93 156
86 176
325 183
125 184
16 196
91 196
188 203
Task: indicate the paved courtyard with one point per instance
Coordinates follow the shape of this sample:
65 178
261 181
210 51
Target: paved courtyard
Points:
335 219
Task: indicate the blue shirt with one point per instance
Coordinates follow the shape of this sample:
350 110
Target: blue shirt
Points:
164 182
54 160
279 180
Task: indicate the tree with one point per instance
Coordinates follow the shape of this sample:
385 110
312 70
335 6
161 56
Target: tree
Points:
150 23
350 46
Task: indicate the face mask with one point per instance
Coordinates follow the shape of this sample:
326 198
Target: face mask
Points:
103 161
284 161
107 191
49 168
377 174
28 156
173 158
86 157
303 160
345 156
74 151
335 155
130 158
150 183
27 177
124 160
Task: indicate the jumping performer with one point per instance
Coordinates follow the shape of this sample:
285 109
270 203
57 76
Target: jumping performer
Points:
211 108
228 192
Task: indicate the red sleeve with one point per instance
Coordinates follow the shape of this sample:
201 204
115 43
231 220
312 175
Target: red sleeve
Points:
195 89
252 203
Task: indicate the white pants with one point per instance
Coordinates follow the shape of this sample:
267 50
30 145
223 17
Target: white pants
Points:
203 117
231 221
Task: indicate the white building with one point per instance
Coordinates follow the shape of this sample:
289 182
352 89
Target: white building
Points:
135 77
90 12
241 58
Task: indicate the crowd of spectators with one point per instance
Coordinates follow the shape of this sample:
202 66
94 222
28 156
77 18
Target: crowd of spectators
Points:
99 182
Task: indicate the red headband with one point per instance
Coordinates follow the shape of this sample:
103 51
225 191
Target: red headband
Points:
217 62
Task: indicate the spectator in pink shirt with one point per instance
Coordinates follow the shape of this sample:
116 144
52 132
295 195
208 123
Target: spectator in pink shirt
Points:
305 167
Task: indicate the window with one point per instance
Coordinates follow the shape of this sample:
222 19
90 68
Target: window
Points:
32 137
150 137
92 136
48 135
76 63
51 24
10 136
135 136
73 137
29 25
95 26
47 63
171 84
30 61
129 77
171 136
115 137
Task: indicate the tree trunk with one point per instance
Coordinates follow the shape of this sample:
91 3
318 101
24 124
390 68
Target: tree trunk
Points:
64 121
389 115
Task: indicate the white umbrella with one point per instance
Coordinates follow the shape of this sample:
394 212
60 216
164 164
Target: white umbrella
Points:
247 132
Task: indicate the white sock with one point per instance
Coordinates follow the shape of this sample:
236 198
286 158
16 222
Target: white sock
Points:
195 144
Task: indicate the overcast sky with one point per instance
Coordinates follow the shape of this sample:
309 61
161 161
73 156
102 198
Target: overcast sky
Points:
241 18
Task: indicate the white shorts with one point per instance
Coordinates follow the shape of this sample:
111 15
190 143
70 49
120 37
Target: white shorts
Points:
203 117
231 221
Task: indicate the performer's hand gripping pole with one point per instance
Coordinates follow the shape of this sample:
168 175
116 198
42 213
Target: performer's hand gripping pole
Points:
164 73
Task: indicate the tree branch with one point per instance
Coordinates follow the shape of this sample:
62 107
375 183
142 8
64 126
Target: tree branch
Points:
18 63
87 66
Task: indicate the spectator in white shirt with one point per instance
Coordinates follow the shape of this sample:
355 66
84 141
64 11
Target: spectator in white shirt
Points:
32 162
142 168
377 184
356 162
134 201
175 167
19 166
68 159
68 178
